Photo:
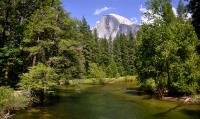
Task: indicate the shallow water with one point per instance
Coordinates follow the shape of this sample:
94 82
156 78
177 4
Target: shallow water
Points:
112 101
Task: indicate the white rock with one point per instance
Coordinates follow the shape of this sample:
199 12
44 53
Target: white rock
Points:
112 24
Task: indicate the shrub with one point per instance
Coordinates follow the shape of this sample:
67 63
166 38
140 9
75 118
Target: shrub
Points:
39 77
12 100
112 70
37 81
96 71
150 85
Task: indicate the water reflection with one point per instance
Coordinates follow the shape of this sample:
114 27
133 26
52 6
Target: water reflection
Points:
117 101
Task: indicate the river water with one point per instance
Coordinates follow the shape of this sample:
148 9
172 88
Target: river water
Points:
113 101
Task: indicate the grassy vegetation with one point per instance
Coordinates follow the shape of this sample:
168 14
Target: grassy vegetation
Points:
11 100
97 81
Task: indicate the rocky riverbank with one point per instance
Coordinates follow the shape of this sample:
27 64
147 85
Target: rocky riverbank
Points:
185 99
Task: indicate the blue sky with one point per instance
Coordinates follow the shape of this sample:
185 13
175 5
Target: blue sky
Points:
93 10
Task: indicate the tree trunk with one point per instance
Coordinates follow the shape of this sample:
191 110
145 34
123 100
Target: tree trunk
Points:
6 74
160 94
34 60
42 97
52 3
168 75
35 57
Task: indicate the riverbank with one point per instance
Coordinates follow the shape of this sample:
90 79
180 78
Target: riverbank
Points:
187 100
95 81
108 101
12 101
192 100
129 80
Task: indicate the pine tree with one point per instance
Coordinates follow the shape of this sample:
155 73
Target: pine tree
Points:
168 14
112 70
88 44
181 10
13 20
117 55
104 58
40 78
96 47
124 53
41 34
162 8
131 54
194 8
167 54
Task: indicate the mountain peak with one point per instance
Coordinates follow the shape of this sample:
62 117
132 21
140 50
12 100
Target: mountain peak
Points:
121 19
112 24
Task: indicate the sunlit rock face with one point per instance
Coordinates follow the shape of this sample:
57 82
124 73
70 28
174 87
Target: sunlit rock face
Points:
111 25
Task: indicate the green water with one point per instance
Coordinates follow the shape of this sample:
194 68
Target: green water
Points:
108 102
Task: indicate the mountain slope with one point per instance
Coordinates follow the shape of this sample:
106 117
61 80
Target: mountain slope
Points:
112 24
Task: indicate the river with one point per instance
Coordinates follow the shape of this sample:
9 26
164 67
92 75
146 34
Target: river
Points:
113 101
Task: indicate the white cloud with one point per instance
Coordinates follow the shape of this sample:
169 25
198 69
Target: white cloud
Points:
142 9
188 16
101 10
148 16
134 20
97 22
174 11
146 20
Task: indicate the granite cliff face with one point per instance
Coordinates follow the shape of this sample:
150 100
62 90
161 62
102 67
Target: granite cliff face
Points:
113 24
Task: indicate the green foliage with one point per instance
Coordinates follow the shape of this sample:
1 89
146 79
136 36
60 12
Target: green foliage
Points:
112 70
6 93
88 44
162 8
10 60
96 71
40 44
11 100
120 53
181 10
194 8
167 54
131 70
104 55
150 85
40 35
39 77
39 31
97 46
